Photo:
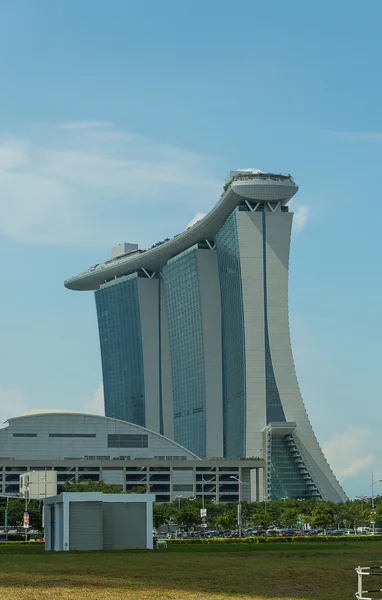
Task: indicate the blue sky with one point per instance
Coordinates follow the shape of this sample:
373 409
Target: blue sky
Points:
119 121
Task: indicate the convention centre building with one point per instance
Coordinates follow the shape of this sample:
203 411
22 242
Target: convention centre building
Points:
84 447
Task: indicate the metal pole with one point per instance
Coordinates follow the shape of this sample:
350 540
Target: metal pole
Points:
203 482
6 533
359 572
26 509
239 513
372 500
239 505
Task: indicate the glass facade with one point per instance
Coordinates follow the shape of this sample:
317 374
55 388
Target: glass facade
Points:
233 350
185 330
121 349
287 480
274 408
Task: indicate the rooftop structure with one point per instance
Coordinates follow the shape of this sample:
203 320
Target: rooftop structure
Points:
243 187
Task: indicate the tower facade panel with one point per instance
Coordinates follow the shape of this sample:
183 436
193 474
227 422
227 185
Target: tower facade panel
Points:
132 320
233 348
193 312
119 323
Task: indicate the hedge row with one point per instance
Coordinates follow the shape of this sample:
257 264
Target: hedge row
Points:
277 540
20 543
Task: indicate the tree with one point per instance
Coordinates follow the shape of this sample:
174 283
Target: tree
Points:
261 519
289 517
161 514
16 507
321 517
227 521
139 489
92 486
188 515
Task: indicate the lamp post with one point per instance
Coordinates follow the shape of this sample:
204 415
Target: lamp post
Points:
372 496
26 508
239 505
203 511
43 478
362 498
179 497
203 482
7 525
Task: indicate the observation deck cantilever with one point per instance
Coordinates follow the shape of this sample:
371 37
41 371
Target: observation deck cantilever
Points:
276 189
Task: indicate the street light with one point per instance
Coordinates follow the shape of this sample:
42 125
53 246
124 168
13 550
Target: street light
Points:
239 505
179 497
362 498
203 482
372 495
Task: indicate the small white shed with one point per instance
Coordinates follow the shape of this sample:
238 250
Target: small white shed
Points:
97 521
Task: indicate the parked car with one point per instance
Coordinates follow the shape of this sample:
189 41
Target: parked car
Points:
272 532
288 532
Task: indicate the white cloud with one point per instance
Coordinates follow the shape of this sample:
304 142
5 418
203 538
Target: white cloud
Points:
95 405
197 217
347 454
84 125
12 403
87 184
300 217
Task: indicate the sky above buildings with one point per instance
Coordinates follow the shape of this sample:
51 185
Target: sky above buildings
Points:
119 121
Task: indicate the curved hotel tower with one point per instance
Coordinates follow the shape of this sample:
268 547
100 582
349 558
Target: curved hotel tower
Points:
195 341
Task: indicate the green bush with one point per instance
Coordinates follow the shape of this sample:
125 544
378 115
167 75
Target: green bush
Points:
20 543
277 540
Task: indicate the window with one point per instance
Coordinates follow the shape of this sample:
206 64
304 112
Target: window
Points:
15 469
88 469
72 435
25 435
183 487
127 440
182 468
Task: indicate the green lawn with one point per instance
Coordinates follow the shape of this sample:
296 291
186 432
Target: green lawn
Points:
313 571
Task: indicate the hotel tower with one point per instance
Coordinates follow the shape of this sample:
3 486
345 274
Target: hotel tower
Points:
195 343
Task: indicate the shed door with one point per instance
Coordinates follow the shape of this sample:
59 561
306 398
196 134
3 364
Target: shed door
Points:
85 525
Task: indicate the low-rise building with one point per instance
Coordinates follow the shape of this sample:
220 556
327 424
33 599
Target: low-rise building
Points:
84 447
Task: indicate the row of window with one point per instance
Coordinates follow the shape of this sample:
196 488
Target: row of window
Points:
58 435
117 440
127 440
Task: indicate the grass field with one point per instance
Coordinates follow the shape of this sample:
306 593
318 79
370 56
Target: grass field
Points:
313 571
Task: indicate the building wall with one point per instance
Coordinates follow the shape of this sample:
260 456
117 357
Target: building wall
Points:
167 479
151 352
119 323
132 320
233 344
82 436
250 238
209 290
166 380
185 327
124 525
278 233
